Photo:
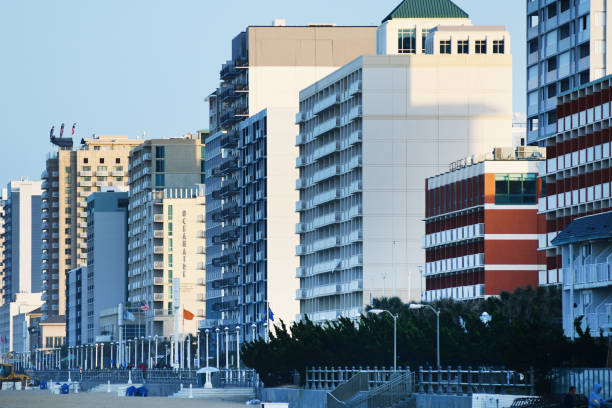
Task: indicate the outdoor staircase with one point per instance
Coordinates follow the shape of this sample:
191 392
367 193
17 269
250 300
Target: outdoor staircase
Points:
218 393
117 389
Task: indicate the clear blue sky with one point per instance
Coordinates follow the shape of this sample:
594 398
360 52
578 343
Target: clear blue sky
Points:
123 67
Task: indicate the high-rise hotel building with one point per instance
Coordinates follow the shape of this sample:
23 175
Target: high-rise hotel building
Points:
166 228
71 175
250 184
567 46
371 132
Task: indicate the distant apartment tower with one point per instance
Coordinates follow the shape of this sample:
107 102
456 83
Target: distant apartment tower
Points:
76 307
103 283
250 188
70 177
3 194
577 173
481 226
566 48
370 133
164 175
22 237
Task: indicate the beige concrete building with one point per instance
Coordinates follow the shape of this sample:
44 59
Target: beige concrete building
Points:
164 199
69 178
370 134
175 248
251 217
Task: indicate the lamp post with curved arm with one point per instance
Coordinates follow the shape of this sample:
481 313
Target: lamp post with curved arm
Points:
414 306
379 311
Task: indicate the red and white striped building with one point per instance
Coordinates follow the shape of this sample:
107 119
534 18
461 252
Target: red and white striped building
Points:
482 226
577 175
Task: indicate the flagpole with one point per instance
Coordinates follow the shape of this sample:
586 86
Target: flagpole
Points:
267 320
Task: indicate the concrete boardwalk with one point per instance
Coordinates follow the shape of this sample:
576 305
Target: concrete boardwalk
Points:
40 399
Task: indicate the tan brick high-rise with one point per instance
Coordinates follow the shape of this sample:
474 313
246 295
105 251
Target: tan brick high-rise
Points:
70 176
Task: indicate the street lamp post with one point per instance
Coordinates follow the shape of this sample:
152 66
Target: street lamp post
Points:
217 331
155 365
379 311
253 328
437 313
238 347
227 348
207 331
198 354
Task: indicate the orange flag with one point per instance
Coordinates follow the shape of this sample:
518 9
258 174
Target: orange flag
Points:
187 315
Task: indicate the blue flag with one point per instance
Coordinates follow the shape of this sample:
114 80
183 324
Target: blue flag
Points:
270 315
129 316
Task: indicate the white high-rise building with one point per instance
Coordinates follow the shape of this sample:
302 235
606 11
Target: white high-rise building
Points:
250 165
22 239
371 133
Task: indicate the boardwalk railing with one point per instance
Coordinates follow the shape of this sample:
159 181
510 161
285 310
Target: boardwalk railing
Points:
326 378
469 381
227 378
428 380
400 387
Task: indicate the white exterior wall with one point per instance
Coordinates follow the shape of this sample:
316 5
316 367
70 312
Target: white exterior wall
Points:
420 114
387 33
276 89
24 303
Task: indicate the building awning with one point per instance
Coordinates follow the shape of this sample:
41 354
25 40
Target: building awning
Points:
589 228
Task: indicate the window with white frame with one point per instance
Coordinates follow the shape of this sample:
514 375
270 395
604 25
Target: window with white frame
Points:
406 41
463 47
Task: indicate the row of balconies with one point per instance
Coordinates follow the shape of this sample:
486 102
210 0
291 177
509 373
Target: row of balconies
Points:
457 264
330 290
578 158
453 235
457 293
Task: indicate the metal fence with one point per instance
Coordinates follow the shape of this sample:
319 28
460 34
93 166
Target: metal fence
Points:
227 378
469 381
583 379
398 388
329 378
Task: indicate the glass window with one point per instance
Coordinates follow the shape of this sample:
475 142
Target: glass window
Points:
160 180
480 47
406 41
532 98
160 151
170 260
160 166
498 47
170 229
102 168
445 47
532 72
515 188
463 47
170 212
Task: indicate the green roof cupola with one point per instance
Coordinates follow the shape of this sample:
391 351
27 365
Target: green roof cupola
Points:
426 9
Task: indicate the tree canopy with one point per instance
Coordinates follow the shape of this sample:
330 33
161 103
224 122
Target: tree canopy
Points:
524 332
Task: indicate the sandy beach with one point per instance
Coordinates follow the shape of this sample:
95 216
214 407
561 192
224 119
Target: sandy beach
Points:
44 399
